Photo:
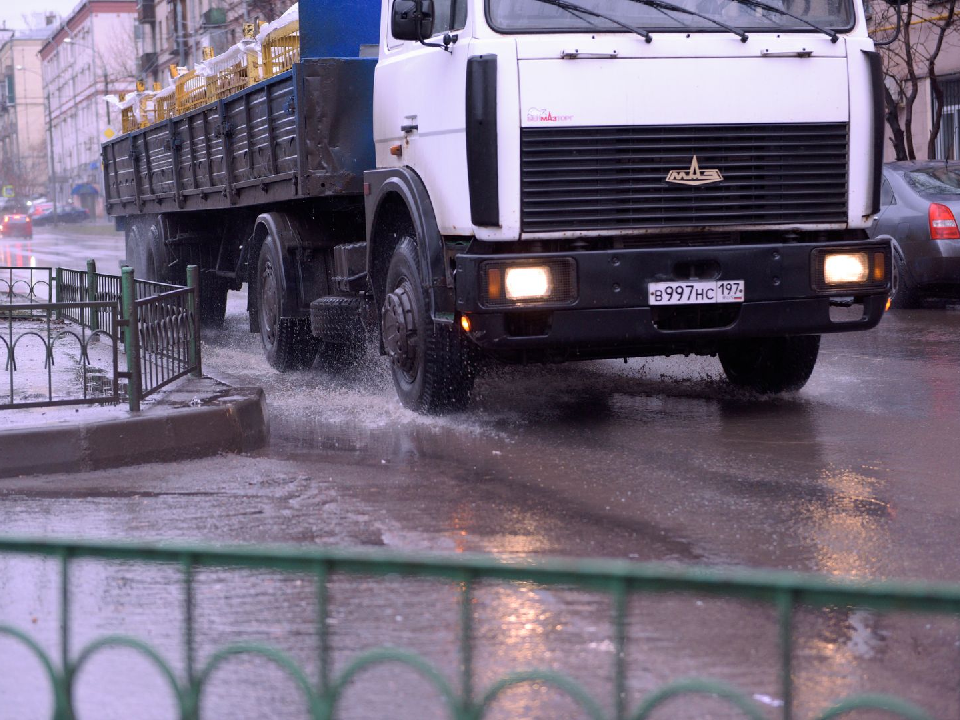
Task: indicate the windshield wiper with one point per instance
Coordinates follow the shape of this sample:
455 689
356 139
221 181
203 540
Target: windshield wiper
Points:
767 6
580 10
662 5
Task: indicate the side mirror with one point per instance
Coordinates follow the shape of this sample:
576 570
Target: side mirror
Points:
412 19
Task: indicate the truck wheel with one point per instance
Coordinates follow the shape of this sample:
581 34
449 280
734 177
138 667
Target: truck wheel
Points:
770 365
156 265
145 249
287 342
430 363
903 295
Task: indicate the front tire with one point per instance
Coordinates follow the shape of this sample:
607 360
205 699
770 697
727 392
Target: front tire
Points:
431 363
770 365
287 341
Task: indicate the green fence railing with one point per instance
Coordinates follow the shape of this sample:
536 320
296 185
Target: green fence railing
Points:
164 347
48 362
617 580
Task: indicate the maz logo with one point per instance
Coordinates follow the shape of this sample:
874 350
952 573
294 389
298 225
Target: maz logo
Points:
694 176
545 116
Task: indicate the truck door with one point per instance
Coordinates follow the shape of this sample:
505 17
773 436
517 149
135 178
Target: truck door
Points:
420 109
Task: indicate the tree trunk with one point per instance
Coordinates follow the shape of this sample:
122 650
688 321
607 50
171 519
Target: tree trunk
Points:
893 121
936 90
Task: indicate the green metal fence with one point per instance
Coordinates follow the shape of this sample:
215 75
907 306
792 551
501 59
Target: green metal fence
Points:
26 285
164 347
619 581
30 320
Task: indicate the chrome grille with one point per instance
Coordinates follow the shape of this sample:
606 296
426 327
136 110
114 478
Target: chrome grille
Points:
613 178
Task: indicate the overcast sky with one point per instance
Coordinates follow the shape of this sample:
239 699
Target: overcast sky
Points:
12 11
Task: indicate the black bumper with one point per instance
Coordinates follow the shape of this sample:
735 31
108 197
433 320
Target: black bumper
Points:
612 318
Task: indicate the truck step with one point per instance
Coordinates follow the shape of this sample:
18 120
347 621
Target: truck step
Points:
338 320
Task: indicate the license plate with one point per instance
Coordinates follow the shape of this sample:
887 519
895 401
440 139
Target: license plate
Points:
695 292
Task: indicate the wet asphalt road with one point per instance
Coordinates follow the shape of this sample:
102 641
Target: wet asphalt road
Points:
854 476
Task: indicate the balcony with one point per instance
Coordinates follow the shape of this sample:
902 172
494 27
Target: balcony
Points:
146 12
146 63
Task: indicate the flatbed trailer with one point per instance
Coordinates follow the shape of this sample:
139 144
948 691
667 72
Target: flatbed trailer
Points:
303 134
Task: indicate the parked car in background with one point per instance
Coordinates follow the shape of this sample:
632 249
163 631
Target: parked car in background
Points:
919 206
72 214
40 208
45 215
16 225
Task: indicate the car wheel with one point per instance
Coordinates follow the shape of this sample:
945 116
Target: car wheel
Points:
903 295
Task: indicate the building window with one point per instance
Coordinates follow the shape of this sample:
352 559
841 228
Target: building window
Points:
948 141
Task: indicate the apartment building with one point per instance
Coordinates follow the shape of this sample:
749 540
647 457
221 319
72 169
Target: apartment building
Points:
90 54
24 166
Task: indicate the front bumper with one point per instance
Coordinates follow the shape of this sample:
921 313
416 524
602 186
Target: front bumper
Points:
16 231
611 316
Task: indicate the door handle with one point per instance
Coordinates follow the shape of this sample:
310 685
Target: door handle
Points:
407 129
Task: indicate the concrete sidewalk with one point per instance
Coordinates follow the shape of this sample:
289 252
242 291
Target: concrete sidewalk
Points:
194 417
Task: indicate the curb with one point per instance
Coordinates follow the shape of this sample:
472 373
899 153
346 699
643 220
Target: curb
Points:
233 421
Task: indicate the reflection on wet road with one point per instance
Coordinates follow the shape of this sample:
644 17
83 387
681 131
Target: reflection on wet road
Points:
659 459
855 476
65 246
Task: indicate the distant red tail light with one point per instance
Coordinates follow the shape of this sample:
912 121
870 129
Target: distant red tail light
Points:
943 225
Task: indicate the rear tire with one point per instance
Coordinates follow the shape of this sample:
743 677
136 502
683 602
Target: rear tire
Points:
146 250
770 365
432 364
287 341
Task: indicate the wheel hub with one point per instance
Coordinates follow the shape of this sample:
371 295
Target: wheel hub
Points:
400 332
268 304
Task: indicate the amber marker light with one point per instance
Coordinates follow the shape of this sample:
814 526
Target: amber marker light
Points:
889 303
879 267
494 283
465 323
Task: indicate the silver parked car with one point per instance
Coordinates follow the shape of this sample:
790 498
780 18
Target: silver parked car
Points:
919 207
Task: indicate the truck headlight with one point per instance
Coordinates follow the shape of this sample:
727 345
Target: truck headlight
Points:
839 270
845 268
522 283
528 283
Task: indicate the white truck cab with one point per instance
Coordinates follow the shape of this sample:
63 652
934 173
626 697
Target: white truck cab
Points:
613 178
559 71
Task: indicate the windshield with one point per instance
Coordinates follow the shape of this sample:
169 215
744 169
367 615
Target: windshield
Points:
529 16
935 181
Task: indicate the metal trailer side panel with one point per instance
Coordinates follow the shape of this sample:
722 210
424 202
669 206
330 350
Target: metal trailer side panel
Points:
337 117
305 133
